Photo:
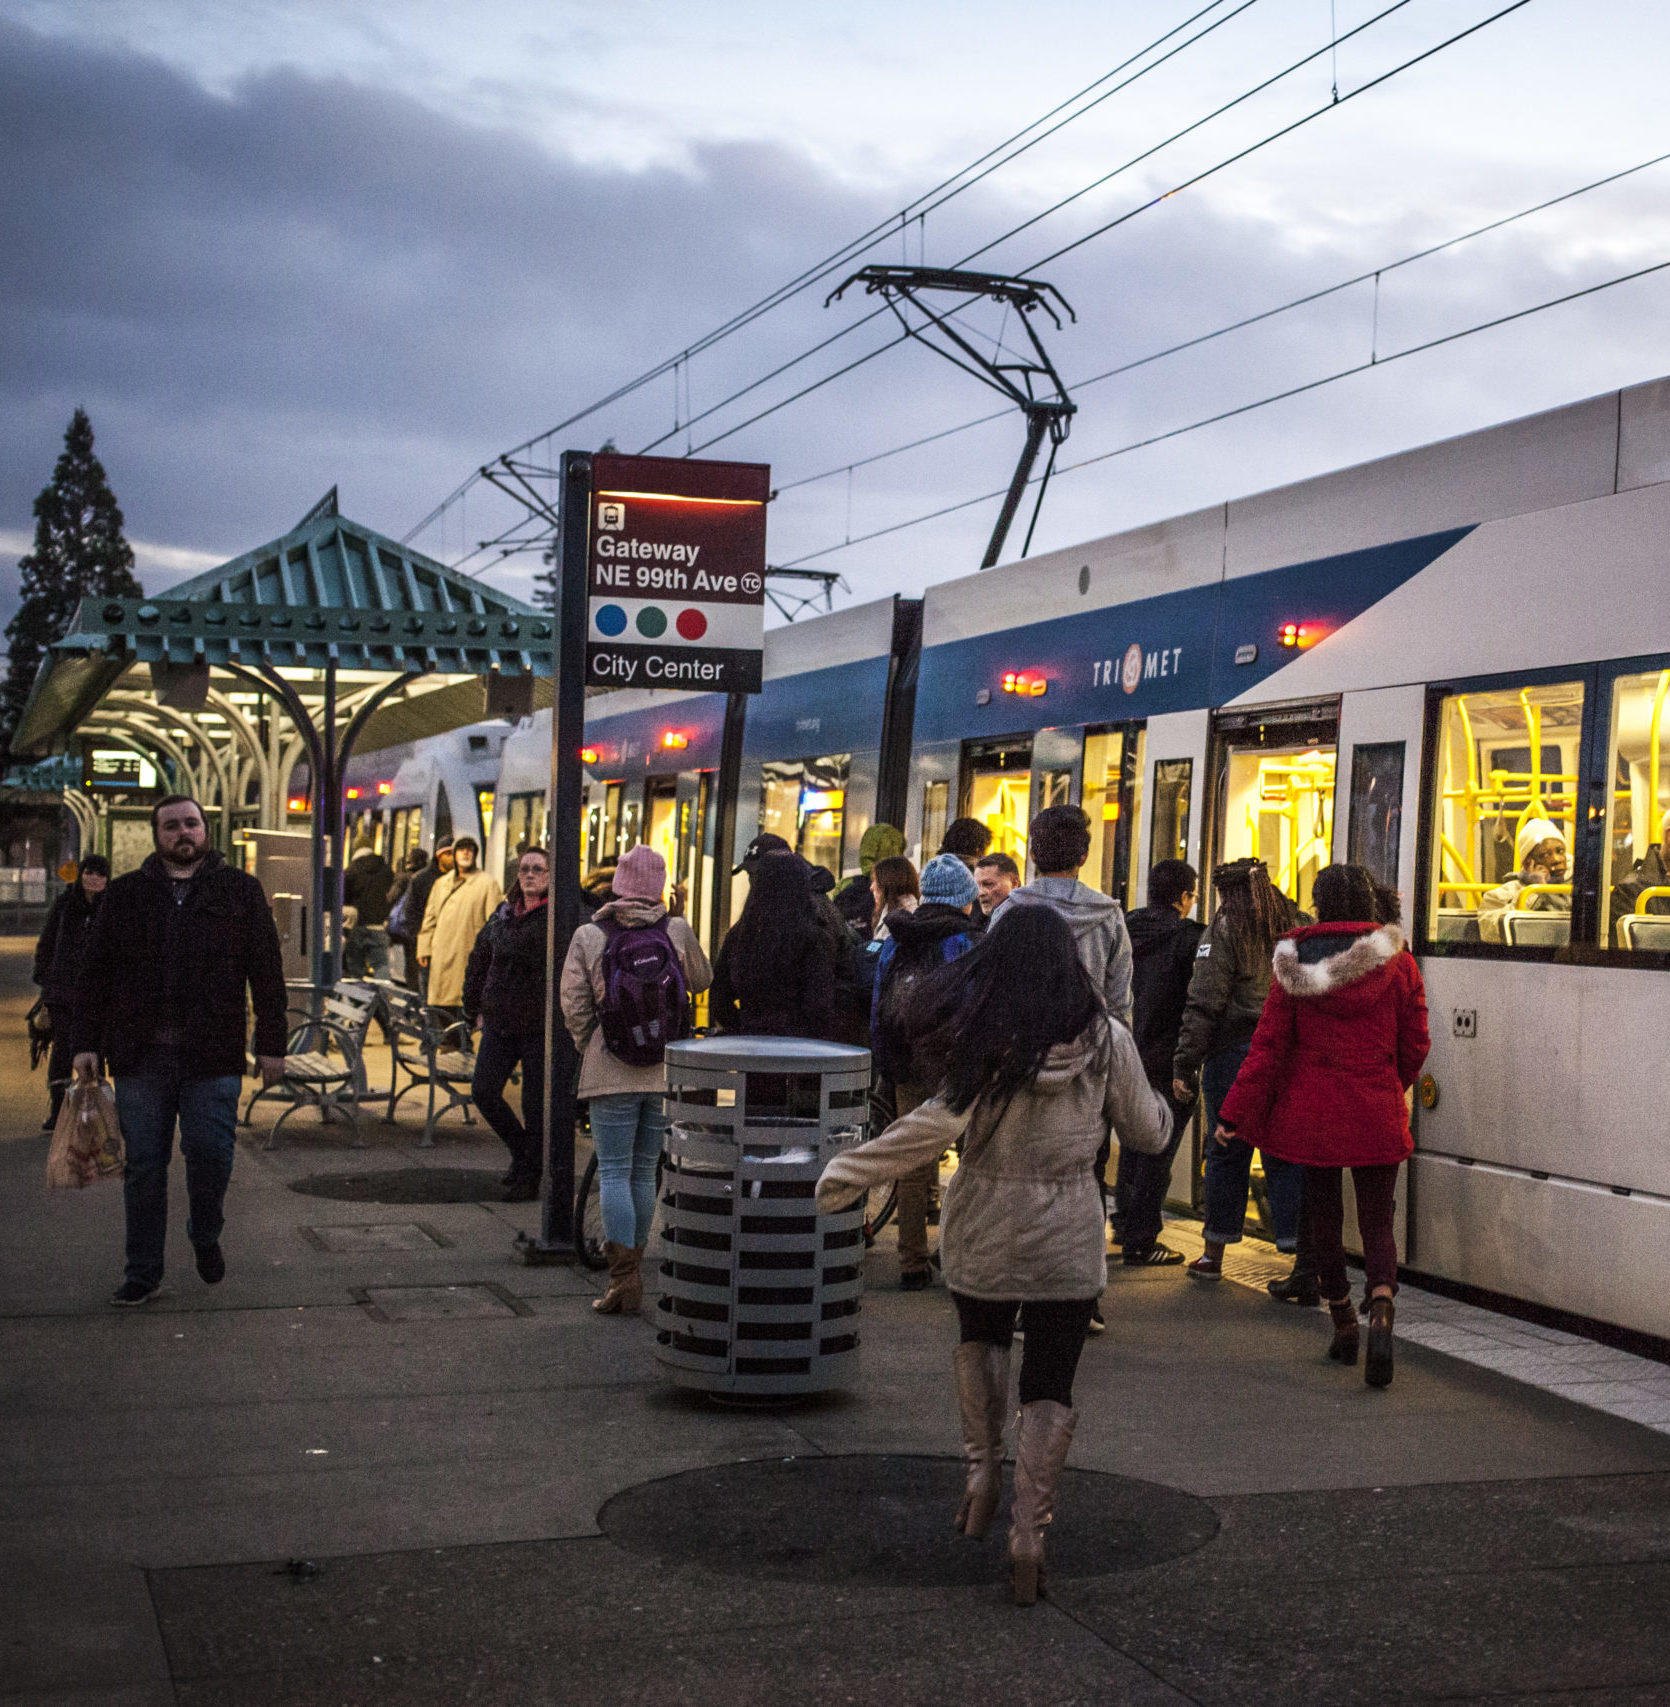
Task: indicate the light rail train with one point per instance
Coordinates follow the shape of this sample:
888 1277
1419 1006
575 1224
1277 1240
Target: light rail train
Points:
1404 664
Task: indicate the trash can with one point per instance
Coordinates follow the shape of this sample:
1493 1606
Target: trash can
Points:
759 1292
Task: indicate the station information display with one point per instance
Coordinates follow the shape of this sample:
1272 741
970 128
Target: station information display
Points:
676 574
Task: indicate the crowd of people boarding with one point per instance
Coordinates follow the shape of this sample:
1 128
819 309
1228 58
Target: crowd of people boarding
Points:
1022 1022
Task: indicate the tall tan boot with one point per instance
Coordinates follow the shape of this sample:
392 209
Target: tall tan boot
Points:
982 1400
625 1296
1042 1437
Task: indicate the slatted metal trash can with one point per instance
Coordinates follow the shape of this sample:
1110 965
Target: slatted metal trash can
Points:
760 1293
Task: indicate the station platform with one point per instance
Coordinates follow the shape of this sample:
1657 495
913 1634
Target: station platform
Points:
384 1463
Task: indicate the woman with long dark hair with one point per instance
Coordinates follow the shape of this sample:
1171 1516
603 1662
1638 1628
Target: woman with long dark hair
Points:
1029 1071
778 966
1226 996
1342 1037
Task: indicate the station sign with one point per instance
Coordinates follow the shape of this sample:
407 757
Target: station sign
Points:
676 574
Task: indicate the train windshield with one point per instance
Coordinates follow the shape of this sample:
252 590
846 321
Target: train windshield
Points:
1635 883
1504 820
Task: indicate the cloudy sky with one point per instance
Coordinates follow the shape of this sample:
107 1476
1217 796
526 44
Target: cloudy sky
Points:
277 246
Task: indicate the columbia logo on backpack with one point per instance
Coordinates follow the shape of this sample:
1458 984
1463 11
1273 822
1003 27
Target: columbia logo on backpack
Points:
646 1004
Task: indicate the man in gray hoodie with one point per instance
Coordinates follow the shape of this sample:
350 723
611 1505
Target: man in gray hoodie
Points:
1060 838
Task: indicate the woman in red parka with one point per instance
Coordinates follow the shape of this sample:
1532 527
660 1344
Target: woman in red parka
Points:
1341 1039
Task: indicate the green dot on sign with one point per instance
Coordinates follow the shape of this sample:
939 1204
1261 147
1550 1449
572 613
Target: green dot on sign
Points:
652 622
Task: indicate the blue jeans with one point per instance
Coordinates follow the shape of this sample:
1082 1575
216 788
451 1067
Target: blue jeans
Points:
148 1101
366 952
627 1131
1229 1166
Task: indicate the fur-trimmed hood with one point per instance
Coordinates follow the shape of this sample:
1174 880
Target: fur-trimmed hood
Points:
1318 960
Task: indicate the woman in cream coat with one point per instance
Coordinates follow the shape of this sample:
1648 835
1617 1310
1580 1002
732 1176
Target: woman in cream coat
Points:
1031 1073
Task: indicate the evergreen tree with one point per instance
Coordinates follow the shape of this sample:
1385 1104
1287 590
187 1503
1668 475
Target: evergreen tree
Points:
79 550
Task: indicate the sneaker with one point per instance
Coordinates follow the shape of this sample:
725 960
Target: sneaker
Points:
133 1292
1096 1324
211 1265
1155 1255
1205 1268
915 1280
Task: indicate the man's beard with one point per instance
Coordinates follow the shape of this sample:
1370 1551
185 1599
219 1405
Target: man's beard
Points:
194 854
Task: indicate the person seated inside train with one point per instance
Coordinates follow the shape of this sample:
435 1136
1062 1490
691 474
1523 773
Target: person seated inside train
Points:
1540 857
1651 872
995 877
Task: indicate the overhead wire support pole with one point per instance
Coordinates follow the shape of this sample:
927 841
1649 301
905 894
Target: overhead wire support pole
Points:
1032 385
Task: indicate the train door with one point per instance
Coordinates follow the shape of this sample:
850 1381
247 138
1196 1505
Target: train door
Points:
1272 791
603 825
1112 800
997 790
692 866
661 820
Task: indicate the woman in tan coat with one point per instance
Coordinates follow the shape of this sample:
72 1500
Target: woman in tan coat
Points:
459 905
1031 1073
627 1122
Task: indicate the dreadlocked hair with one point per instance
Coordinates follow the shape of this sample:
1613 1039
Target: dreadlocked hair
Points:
983 1024
1252 912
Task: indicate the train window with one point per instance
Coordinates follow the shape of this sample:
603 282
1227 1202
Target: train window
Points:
1169 836
1503 816
804 802
1374 824
662 834
936 811
1113 802
1276 796
1635 875
998 792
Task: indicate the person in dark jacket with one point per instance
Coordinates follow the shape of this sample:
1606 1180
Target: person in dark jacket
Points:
1340 1042
504 991
780 965
1226 996
853 899
161 1003
415 861
1163 942
1650 872
365 887
417 907
58 966
918 940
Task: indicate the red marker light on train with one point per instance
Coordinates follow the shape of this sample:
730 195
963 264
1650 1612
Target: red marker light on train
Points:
385 788
353 794
673 739
297 803
1299 634
588 755
1027 683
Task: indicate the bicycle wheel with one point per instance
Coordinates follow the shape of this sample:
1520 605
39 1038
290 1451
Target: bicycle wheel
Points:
588 1219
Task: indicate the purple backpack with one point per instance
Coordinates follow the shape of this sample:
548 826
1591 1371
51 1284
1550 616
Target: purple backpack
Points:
645 1001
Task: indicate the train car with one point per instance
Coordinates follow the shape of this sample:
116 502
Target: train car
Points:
1414 664
442 785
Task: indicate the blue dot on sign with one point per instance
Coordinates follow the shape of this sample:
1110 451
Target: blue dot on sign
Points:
610 620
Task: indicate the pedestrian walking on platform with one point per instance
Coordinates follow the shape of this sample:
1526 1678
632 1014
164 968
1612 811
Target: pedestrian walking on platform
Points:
918 942
504 989
366 886
1226 996
58 957
1030 1072
178 951
461 902
626 986
1341 1040
1164 938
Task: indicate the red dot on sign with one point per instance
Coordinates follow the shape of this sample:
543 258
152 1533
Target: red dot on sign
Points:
692 625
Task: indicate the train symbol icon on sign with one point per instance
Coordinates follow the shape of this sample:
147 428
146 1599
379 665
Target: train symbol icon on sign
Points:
611 518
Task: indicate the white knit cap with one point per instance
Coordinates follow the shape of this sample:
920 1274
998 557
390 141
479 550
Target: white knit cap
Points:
1532 833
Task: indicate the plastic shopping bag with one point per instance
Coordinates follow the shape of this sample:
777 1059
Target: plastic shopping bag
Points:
87 1141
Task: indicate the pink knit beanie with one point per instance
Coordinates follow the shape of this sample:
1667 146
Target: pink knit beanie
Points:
641 875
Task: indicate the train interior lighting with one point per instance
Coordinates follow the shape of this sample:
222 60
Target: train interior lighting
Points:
997 791
1505 757
1280 808
804 802
1112 800
1638 761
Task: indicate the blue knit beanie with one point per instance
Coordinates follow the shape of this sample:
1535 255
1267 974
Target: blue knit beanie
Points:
947 880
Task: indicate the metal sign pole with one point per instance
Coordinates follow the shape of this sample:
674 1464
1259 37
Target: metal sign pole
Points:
555 1243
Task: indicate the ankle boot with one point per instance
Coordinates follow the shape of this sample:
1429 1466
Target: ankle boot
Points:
982 1400
1377 1367
1299 1288
625 1296
1344 1348
1042 1437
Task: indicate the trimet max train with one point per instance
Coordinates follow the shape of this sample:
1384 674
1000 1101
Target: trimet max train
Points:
1402 664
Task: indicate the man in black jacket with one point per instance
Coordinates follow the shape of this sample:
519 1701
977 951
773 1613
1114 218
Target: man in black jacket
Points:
1163 943
365 888
161 1001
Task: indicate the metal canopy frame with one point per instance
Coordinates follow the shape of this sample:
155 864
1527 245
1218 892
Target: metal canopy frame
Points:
324 626
1030 383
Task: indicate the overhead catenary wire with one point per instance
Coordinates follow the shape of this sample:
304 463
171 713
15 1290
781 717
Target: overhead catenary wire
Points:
1248 408
1200 338
929 201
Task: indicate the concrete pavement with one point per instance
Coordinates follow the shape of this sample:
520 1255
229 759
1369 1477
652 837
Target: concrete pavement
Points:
491 1494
